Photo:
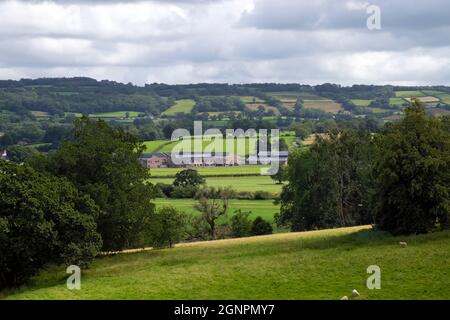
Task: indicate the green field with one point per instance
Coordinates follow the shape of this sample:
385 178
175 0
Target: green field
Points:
167 145
325 264
262 208
210 171
409 94
180 106
116 114
251 183
396 101
361 102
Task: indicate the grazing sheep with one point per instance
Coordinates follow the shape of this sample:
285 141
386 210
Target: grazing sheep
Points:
355 293
344 298
403 244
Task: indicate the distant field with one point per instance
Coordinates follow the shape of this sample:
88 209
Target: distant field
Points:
167 145
396 101
251 183
379 110
409 94
116 114
293 95
262 208
40 114
324 105
433 93
445 98
326 265
180 106
251 99
255 106
210 171
427 99
361 102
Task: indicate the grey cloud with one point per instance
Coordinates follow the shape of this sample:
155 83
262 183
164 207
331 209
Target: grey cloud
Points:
327 14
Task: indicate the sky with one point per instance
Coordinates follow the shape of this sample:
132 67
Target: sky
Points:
234 41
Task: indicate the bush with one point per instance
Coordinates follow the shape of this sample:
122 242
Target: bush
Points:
164 190
42 219
184 192
240 224
261 227
168 227
262 195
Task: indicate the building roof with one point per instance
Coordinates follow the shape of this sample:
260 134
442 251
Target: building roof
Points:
154 155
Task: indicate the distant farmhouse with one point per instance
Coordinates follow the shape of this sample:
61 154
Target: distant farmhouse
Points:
208 159
156 160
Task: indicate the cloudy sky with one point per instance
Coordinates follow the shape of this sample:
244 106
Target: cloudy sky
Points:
236 41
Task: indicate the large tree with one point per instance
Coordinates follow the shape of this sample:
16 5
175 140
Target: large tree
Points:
43 219
413 174
103 162
329 184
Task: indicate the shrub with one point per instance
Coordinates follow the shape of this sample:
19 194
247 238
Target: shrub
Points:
241 225
261 227
165 190
262 195
184 192
168 227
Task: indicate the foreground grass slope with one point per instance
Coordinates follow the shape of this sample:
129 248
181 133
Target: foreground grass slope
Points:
312 265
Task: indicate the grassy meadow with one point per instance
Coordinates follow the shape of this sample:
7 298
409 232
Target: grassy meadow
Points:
250 183
323 105
180 106
210 171
259 208
207 145
325 264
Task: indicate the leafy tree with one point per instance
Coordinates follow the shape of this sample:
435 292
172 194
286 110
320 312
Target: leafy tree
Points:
413 174
212 203
20 153
281 175
103 162
188 177
329 184
168 227
43 219
261 227
241 225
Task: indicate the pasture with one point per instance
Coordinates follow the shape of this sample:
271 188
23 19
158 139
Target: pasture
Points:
326 264
180 106
409 94
259 208
427 99
323 105
246 183
245 146
211 171
255 107
396 101
361 102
